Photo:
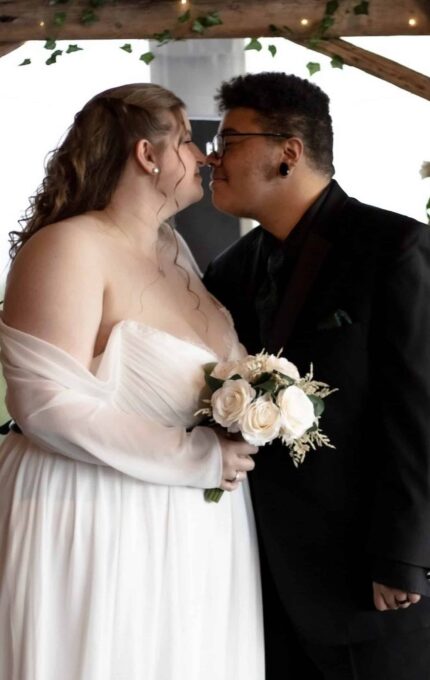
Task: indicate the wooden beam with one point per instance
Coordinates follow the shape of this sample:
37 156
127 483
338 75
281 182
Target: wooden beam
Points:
35 20
6 47
375 65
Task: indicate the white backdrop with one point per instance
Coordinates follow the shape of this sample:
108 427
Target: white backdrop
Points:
381 132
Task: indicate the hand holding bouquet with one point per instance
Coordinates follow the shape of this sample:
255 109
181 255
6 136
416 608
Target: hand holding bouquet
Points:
264 398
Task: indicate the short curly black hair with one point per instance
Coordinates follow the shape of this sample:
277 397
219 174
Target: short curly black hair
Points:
285 103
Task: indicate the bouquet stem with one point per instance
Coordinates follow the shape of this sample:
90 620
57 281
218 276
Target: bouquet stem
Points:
213 495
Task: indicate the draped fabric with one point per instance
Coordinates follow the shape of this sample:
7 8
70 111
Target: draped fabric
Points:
113 567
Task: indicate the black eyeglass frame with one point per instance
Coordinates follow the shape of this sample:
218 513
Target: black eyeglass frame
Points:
217 148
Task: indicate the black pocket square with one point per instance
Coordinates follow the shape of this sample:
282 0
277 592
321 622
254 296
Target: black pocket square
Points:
335 320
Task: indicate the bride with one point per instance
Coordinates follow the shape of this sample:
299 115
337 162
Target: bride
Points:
112 565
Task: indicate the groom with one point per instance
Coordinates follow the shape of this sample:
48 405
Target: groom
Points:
344 538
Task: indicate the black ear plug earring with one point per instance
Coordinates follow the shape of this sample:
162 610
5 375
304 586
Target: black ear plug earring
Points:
284 170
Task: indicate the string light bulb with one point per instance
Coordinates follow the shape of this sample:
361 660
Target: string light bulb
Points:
412 22
304 22
41 24
184 2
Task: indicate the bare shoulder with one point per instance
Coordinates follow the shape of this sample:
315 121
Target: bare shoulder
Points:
55 286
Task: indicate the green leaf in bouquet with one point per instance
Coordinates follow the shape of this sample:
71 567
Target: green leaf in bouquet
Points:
269 386
262 378
212 382
266 383
318 403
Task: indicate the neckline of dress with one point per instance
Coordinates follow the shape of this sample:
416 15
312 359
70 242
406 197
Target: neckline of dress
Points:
99 358
141 324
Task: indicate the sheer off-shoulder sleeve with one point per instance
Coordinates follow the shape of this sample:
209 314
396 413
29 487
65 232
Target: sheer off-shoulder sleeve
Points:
63 408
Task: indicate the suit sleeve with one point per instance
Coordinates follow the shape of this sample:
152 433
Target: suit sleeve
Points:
400 377
406 577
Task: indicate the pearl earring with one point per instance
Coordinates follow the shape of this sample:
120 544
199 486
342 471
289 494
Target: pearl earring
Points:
155 171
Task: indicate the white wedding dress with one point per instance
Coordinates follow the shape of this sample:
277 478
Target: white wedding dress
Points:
112 565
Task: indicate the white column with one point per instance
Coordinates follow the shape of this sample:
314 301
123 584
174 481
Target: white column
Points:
194 69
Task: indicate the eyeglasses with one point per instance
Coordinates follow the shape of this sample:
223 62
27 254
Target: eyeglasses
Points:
217 146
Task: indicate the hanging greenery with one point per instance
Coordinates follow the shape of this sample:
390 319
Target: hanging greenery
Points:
199 25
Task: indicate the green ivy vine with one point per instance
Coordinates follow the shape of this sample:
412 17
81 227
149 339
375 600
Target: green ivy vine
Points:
198 24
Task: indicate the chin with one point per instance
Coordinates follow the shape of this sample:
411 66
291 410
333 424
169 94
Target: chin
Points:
226 206
193 197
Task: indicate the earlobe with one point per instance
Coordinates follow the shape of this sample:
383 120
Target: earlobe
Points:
145 156
284 169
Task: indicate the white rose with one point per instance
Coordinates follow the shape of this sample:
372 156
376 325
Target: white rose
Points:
225 369
297 411
261 422
282 365
230 401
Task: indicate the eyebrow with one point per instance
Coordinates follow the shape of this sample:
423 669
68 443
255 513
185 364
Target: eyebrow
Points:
228 130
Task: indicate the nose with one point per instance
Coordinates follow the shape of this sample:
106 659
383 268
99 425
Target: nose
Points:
199 155
213 160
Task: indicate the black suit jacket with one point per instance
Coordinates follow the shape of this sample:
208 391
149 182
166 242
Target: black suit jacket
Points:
358 307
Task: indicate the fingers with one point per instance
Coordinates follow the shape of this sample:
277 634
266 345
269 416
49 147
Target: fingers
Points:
414 598
237 462
236 471
229 486
386 598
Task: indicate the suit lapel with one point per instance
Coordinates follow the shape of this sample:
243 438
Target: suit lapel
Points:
314 252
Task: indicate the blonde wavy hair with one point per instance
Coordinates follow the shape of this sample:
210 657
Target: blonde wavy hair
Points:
83 172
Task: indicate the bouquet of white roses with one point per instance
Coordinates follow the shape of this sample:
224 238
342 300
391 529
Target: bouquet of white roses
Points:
264 398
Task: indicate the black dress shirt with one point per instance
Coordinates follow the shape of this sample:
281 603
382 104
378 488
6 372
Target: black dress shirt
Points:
277 260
